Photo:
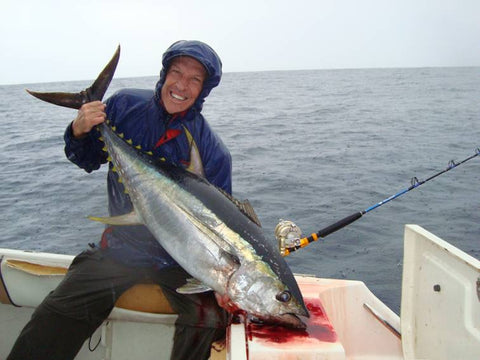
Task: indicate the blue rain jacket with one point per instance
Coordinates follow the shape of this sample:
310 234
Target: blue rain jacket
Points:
140 116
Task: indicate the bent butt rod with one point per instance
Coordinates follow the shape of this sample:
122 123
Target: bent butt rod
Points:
415 183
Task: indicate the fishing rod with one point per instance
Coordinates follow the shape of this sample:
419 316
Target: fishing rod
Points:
288 234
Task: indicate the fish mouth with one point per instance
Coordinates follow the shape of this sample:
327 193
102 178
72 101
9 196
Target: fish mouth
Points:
287 320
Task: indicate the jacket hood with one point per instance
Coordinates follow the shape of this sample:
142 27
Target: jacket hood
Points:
200 52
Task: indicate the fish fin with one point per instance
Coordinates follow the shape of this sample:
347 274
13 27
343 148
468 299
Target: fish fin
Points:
94 92
244 206
248 210
195 166
193 286
126 219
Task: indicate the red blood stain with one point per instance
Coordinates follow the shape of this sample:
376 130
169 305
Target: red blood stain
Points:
225 302
319 329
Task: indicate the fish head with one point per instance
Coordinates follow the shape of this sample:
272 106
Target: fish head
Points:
255 289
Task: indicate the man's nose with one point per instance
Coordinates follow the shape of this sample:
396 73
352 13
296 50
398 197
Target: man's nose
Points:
182 83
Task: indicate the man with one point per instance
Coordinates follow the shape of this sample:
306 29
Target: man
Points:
168 123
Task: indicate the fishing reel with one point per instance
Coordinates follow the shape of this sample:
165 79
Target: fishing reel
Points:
288 235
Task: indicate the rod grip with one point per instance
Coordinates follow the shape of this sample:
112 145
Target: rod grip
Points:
339 224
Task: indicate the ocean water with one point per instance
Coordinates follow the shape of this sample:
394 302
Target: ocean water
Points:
307 146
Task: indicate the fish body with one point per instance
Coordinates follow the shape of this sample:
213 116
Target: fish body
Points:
206 233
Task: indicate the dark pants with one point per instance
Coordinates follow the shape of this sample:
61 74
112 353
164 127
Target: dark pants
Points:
83 300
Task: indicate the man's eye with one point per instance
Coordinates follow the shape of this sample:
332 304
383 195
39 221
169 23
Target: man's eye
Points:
173 71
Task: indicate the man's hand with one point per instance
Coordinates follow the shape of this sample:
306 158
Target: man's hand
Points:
89 115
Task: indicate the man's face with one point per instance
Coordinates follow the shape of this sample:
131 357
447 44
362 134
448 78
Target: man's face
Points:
183 84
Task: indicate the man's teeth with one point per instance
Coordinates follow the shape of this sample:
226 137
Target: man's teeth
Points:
178 97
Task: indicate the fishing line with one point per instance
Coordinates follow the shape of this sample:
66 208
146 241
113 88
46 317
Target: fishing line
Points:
295 244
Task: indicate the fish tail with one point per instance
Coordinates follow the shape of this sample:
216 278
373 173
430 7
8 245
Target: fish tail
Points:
94 92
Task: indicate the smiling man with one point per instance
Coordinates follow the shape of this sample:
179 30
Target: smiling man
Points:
168 124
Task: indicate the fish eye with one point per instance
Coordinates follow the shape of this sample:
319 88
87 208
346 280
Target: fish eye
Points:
284 296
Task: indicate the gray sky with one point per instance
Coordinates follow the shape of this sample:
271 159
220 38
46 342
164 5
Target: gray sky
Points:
50 40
